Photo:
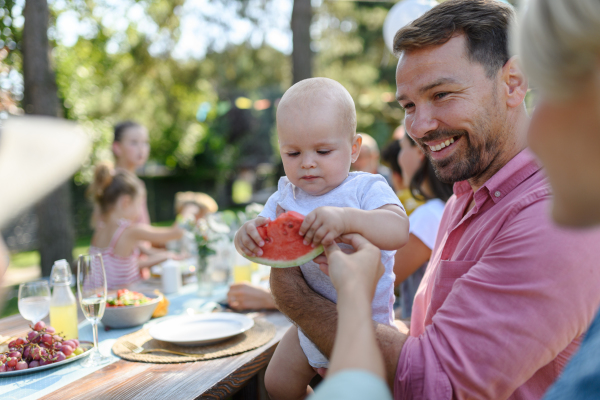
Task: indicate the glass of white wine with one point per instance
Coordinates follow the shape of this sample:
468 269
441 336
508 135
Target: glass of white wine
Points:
34 300
91 289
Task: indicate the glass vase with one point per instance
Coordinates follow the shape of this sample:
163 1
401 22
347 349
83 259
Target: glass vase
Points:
205 284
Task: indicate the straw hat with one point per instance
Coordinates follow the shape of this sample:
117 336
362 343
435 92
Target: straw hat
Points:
206 203
37 154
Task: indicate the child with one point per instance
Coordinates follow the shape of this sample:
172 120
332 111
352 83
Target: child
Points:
194 205
131 148
118 196
316 127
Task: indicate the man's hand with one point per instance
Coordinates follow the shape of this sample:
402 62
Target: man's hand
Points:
323 225
360 270
247 240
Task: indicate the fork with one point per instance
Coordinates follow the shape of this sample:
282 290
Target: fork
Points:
137 349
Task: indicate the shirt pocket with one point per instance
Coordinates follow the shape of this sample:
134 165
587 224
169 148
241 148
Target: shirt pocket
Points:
448 273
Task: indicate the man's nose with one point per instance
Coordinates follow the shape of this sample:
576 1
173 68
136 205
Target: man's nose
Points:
423 120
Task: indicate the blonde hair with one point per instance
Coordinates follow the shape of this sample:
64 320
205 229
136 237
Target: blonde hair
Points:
315 90
559 42
110 184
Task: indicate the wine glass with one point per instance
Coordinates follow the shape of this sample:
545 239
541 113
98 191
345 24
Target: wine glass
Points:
34 300
91 289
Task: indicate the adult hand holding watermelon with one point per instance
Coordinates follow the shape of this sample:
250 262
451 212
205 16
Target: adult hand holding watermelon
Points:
353 273
276 243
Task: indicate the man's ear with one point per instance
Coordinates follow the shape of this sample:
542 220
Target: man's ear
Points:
356 143
515 82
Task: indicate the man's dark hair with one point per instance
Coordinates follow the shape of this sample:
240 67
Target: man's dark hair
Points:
122 127
485 23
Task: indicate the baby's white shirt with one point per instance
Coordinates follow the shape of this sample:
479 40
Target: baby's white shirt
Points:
359 190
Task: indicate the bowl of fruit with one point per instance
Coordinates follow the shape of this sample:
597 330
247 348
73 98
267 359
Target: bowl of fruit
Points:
127 308
42 348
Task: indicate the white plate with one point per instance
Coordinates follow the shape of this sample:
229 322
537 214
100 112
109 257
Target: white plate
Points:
86 346
193 330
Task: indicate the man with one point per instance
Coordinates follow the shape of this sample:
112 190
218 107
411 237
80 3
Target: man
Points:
506 295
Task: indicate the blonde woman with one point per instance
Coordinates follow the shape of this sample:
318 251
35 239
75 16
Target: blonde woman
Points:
560 47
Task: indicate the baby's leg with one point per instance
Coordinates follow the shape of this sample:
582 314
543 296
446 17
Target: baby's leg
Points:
289 372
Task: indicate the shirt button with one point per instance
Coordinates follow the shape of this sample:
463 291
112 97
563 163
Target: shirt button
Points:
497 193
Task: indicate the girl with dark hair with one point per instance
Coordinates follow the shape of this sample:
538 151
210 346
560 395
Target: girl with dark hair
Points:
131 148
389 156
411 260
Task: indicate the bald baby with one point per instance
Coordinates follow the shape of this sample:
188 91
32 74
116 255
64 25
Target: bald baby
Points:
312 97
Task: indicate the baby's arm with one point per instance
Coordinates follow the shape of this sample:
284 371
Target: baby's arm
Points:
386 227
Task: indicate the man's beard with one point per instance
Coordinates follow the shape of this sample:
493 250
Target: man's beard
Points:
459 167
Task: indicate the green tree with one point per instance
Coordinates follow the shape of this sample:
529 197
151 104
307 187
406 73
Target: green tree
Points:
55 226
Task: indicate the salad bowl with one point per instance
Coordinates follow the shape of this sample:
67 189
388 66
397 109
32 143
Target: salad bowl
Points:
127 309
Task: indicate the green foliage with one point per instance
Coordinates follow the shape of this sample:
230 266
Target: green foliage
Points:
351 50
112 74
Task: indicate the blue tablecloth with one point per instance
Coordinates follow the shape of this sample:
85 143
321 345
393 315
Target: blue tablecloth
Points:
37 384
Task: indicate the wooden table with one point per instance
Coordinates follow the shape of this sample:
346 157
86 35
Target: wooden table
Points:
212 379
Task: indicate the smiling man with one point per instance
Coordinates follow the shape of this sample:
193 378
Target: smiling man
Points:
507 295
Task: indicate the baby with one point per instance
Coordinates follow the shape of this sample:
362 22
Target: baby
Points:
316 128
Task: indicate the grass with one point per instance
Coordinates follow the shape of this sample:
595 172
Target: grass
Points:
24 259
28 258
11 306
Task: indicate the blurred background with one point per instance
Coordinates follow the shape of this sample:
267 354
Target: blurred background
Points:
204 76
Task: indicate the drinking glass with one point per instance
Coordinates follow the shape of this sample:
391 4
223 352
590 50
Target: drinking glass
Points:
34 300
91 289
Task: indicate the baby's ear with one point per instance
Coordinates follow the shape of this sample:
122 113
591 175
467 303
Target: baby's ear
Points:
356 143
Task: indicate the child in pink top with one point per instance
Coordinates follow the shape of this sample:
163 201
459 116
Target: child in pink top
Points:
118 197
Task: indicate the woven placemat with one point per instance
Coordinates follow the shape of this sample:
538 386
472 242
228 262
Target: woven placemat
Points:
259 334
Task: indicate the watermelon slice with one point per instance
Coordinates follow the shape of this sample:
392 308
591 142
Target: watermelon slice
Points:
284 246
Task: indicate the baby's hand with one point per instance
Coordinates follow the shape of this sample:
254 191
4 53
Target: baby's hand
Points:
247 239
323 225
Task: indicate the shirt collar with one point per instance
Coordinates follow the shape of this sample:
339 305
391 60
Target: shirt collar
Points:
521 167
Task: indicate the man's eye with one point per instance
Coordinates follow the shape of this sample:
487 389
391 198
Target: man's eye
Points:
324 151
441 95
408 106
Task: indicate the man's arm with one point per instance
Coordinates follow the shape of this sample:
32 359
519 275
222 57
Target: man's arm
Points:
317 317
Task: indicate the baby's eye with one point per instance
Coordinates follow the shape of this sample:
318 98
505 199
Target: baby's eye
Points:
293 153
323 151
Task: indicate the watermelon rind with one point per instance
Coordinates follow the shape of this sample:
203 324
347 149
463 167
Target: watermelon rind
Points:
287 263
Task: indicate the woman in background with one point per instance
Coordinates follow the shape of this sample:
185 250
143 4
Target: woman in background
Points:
412 259
389 155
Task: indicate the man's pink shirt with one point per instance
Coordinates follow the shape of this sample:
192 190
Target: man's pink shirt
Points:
506 296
